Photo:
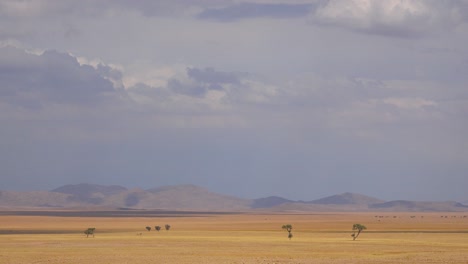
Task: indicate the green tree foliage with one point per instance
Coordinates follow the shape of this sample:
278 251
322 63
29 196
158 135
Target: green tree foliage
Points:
148 228
157 228
167 227
90 231
357 228
288 228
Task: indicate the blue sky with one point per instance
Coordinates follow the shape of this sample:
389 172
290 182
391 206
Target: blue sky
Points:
301 99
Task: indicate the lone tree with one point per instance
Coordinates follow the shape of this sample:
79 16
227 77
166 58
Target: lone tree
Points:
358 228
167 227
148 228
288 228
157 228
89 231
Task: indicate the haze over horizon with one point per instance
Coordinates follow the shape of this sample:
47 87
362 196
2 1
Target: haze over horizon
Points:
300 99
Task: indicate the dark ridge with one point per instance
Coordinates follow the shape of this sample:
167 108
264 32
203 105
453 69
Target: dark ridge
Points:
132 199
461 205
269 202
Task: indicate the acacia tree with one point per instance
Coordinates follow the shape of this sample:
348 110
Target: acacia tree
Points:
89 231
157 228
167 227
288 228
148 228
358 228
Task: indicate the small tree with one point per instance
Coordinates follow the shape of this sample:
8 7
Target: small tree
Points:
157 228
148 228
288 228
89 231
167 227
358 228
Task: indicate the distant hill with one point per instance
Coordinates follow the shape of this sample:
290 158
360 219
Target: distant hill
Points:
192 197
347 199
269 202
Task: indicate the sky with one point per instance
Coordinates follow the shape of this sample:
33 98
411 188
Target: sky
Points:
252 98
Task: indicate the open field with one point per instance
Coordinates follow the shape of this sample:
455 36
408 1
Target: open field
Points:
235 238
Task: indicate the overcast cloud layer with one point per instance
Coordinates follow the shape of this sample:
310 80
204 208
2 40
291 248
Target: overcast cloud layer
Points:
300 99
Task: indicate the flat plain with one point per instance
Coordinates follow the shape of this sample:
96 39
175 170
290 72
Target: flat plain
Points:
233 238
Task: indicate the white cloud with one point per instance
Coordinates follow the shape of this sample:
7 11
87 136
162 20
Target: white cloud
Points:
150 74
404 18
33 80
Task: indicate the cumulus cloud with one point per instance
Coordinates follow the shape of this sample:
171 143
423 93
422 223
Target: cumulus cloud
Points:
31 80
205 90
401 18
231 89
37 80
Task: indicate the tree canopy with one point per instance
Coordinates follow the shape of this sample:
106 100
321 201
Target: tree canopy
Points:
89 231
358 228
288 228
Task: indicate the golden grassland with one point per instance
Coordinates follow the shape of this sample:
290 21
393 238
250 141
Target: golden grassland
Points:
237 238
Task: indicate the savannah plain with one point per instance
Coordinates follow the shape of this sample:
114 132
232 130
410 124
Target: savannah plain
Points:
235 238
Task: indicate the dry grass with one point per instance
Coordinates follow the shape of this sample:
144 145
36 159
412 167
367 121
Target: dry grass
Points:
239 238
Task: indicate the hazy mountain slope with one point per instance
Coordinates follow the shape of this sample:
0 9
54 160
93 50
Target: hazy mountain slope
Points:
347 199
128 199
33 199
191 197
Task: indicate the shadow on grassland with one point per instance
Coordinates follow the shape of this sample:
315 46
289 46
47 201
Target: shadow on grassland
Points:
38 232
113 213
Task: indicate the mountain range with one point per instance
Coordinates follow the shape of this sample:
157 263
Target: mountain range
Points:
192 197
